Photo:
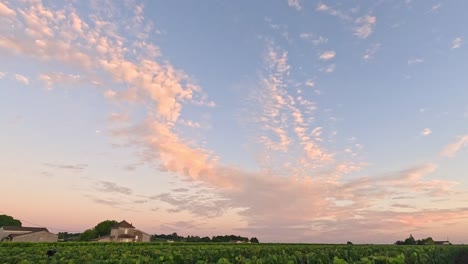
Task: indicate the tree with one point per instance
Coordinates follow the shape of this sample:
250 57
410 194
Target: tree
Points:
205 239
104 228
6 220
65 236
349 243
254 240
426 241
88 235
429 241
101 229
410 240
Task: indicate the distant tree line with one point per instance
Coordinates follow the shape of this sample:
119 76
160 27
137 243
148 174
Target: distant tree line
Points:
227 238
411 241
104 229
68 237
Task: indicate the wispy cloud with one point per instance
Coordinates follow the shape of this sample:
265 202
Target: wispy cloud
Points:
332 11
436 7
21 79
310 83
371 51
198 204
118 117
314 39
403 206
180 190
364 26
111 187
107 202
295 3
327 55
77 167
452 149
189 123
52 79
331 68
457 43
415 61
282 29
426 132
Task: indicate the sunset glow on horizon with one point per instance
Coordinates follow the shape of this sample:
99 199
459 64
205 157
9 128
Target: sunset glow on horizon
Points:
286 120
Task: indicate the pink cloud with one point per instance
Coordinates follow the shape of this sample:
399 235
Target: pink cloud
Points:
6 11
327 55
21 79
295 3
452 149
364 26
302 197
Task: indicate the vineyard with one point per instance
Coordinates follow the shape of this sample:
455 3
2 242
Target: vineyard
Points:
198 253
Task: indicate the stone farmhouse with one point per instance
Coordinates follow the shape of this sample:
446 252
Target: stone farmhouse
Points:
26 234
125 232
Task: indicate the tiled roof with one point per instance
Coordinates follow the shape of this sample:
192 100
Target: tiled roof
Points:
24 228
24 234
138 230
124 224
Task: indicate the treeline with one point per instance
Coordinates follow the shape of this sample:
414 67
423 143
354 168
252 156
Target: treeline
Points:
104 228
411 241
216 239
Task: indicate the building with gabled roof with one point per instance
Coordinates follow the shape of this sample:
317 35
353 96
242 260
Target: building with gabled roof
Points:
126 232
26 234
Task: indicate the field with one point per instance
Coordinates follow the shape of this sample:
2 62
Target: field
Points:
228 253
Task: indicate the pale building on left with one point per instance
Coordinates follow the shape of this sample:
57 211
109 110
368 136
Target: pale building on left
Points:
26 234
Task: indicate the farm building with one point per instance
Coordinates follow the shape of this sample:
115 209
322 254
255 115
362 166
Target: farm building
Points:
26 234
125 232
442 242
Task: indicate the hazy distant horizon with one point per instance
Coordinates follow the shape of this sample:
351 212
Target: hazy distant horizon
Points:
286 120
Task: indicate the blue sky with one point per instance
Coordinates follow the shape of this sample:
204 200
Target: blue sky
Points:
294 121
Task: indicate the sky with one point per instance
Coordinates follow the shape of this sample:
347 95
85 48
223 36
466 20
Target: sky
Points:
287 120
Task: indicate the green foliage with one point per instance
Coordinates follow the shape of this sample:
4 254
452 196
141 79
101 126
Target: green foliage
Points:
101 229
230 238
254 240
425 241
104 228
411 241
337 260
204 253
88 235
65 236
6 220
